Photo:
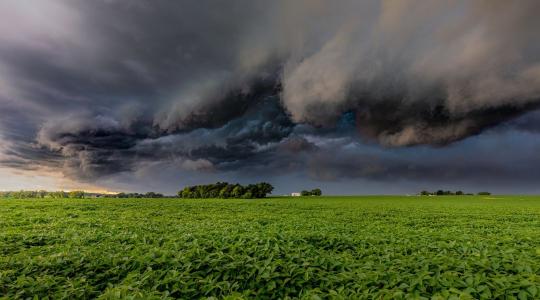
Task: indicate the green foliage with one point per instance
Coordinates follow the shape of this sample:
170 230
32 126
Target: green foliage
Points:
76 194
237 191
225 190
153 195
317 248
21 194
443 193
314 192
484 193
137 195
57 195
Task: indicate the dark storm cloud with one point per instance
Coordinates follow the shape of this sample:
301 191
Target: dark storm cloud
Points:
529 122
494 160
423 73
258 130
94 146
95 88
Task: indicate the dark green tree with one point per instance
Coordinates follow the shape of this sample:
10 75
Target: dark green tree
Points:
237 191
76 194
226 190
305 193
153 195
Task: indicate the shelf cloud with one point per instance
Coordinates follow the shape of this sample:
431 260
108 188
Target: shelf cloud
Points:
346 89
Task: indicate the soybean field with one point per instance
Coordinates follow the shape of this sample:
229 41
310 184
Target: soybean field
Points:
370 247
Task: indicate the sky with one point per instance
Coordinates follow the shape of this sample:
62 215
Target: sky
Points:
354 97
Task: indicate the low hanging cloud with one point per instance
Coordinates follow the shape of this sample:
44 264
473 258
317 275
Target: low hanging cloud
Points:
94 88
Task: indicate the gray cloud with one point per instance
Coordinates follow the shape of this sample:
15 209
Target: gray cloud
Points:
422 73
98 88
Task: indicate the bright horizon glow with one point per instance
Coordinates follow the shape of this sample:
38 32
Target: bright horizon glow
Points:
14 180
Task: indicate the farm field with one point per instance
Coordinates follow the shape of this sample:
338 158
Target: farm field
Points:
378 247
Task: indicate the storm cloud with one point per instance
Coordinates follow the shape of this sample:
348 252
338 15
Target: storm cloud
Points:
347 89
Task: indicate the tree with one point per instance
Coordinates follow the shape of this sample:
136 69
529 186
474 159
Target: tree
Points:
237 191
185 193
316 192
224 193
76 194
226 190
305 193
440 193
459 193
58 194
153 195
262 189
484 193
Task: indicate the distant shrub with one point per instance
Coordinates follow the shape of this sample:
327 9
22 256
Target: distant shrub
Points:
484 193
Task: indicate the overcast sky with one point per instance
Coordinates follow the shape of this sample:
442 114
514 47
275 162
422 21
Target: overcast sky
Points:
354 97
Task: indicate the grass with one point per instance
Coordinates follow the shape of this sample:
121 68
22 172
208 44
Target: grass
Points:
312 248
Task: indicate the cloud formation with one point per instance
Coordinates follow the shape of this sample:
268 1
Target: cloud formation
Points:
98 88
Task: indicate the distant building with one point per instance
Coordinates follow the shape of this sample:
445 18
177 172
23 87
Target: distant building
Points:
296 194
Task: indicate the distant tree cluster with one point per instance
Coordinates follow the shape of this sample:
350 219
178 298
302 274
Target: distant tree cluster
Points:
76 195
450 193
138 195
42 194
441 193
313 192
227 190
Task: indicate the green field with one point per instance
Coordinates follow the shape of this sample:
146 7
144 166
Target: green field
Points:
329 247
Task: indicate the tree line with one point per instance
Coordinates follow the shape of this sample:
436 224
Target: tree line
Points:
138 195
73 195
450 193
217 190
42 194
226 190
